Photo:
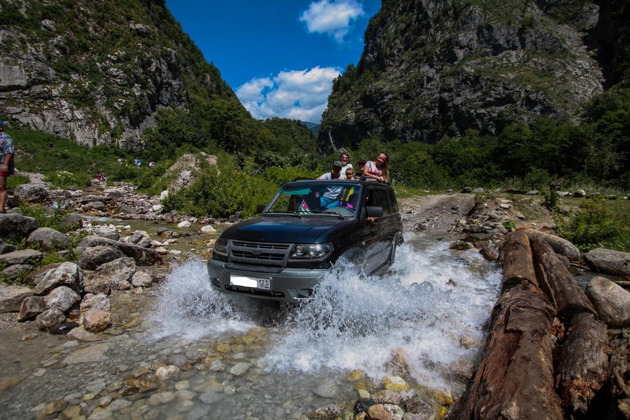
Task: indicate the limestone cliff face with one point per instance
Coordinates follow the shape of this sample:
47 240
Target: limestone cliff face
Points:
97 71
434 68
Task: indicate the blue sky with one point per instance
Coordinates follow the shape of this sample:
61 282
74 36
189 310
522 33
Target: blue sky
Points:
279 56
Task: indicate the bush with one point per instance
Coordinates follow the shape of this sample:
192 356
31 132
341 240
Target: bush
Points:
596 226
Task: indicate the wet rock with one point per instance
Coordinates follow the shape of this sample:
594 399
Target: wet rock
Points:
240 369
418 405
97 301
387 396
184 224
611 301
93 353
112 275
31 307
48 239
11 298
96 320
608 261
395 383
141 278
25 256
95 256
67 274
332 411
15 226
327 388
142 256
80 334
54 407
490 254
62 298
378 412
49 319
211 397
461 245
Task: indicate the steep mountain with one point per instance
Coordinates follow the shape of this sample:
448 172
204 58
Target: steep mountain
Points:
435 68
99 71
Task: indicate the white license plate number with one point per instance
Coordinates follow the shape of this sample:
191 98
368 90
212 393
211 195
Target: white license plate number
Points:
253 282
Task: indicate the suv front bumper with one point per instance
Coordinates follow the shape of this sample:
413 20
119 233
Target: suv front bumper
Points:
288 285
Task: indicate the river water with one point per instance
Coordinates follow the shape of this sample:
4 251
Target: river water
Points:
191 352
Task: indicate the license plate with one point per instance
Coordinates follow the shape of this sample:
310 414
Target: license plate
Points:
253 282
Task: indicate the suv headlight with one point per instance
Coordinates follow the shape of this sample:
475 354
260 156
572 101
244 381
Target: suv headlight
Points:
220 247
311 251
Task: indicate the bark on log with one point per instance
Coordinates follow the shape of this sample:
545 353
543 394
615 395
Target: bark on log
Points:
556 280
515 378
618 375
518 265
583 366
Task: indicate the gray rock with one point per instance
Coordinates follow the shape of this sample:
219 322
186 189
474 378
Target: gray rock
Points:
6 248
25 256
67 274
142 256
97 301
31 307
13 272
140 239
96 320
33 192
49 319
73 220
11 298
611 301
559 245
579 193
141 278
327 388
48 239
15 226
608 261
112 275
62 298
95 256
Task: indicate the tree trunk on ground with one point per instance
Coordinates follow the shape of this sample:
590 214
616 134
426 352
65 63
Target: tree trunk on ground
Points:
515 378
556 280
619 375
583 366
518 265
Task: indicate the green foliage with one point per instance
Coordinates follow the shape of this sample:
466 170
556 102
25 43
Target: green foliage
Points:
47 217
15 180
594 226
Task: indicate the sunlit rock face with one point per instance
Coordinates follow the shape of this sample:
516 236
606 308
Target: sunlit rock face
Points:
95 75
438 68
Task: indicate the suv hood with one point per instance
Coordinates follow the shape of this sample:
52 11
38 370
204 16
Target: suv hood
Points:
280 229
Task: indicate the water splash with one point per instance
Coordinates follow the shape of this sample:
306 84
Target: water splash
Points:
426 317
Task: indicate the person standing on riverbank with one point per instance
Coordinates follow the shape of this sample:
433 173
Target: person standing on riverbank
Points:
6 164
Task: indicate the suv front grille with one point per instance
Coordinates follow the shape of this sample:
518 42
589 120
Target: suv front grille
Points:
259 253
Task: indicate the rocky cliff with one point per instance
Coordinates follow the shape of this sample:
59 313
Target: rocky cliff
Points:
98 71
435 68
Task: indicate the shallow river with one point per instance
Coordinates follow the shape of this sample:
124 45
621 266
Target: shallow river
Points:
190 352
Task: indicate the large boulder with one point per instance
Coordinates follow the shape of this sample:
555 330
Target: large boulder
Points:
608 261
611 301
67 274
11 298
33 192
62 298
50 319
560 246
24 256
95 256
142 256
6 248
48 239
115 275
12 272
31 307
15 226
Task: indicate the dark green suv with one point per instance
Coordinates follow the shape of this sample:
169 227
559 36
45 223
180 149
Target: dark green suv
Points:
304 231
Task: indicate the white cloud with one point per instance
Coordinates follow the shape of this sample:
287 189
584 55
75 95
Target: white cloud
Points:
331 17
297 94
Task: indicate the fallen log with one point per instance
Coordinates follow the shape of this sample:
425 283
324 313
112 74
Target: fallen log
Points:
583 365
515 378
556 280
518 265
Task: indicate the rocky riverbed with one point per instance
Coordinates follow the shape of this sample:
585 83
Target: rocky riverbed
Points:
153 357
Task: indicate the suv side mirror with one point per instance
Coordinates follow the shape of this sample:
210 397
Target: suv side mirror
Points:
260 208
373 211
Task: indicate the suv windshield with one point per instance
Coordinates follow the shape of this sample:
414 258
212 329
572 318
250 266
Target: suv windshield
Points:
318 197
